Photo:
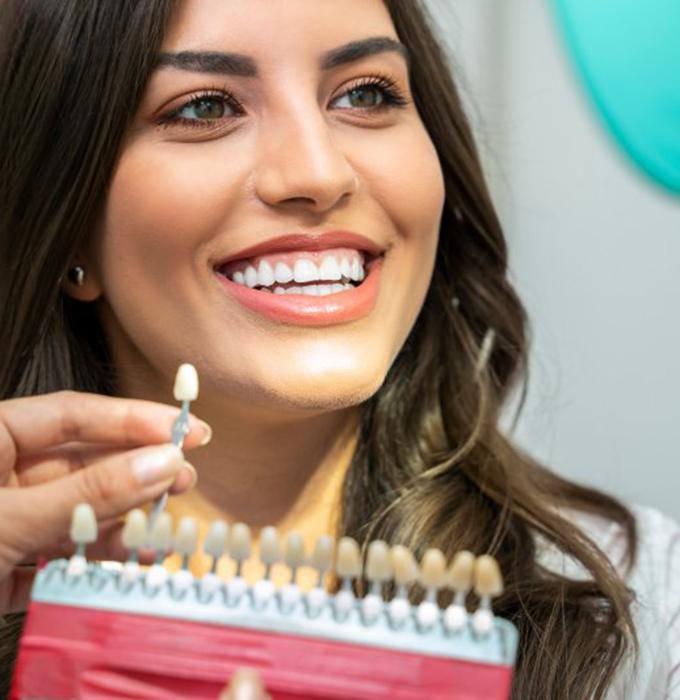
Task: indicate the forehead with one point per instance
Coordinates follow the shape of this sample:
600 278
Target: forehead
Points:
268 28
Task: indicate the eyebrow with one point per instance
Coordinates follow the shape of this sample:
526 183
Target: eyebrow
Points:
244 66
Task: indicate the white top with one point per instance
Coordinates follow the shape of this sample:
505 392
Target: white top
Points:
655 578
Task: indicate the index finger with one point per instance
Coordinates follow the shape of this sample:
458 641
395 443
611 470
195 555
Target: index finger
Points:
35 423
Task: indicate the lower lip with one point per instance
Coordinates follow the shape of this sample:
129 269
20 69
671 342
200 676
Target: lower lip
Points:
306 310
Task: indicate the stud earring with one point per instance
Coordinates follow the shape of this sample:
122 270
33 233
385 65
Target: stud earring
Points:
76 275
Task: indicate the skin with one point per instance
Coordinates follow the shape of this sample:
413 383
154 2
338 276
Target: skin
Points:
283 399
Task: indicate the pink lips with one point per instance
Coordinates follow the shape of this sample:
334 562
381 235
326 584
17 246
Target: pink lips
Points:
302 309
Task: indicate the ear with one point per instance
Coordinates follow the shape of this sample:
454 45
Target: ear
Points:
81 281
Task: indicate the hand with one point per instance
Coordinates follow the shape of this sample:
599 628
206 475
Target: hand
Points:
60 449
245 684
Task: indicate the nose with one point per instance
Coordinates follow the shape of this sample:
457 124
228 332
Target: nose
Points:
299 164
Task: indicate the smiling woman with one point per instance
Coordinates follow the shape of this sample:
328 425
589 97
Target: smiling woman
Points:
290 199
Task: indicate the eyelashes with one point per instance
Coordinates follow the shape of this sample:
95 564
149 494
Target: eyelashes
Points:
391 97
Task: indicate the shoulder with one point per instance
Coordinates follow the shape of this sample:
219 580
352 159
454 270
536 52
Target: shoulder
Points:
654 578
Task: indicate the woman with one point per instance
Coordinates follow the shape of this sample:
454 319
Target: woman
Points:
156 150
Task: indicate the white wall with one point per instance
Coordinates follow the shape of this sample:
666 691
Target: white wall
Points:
595 254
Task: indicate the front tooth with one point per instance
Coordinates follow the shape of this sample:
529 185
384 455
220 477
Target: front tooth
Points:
325 288
238 277
294 290
283 273
305 271
337 287
346 268
311 290
279 290
329 269
250 275
265 274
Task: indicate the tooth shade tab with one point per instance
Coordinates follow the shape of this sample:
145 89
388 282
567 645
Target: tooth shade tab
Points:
186 537
160 537
461 571
83 524
215 543
322 556
270 550
378 564
348 559
239 542
135 529
186 383
433 569
487 577
404 565
294 554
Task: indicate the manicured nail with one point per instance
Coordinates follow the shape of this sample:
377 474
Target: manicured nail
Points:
193 476
246 685
207 434
157 463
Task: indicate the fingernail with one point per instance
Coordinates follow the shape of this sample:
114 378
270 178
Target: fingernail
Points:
246 685
157 463
189 468
207 434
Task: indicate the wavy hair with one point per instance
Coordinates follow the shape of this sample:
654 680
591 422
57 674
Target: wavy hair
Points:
431 468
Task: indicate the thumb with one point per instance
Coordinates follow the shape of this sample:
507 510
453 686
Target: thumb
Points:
245 684
112 486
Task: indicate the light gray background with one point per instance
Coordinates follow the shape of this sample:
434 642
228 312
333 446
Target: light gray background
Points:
595 254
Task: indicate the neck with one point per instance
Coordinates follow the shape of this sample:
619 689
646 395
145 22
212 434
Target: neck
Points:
267 470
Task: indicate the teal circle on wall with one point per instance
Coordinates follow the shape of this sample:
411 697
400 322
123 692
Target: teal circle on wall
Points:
627 53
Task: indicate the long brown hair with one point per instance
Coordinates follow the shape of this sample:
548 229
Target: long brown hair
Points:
431 467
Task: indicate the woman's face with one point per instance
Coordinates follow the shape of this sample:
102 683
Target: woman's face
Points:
295 137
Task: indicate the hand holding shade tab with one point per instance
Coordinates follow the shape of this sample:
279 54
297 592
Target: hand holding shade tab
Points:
98 630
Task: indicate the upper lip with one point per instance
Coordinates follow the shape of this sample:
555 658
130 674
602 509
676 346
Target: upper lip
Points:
307 241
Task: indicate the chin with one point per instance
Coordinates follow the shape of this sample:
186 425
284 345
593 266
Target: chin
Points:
322 394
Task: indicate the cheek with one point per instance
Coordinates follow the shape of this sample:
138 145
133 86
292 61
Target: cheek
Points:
157 214
403 173
406 182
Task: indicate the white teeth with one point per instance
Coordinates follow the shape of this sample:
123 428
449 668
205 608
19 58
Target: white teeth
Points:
346 268
311 290
329 269
250 275
265 274
357 270
283 273
322 289
305 271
